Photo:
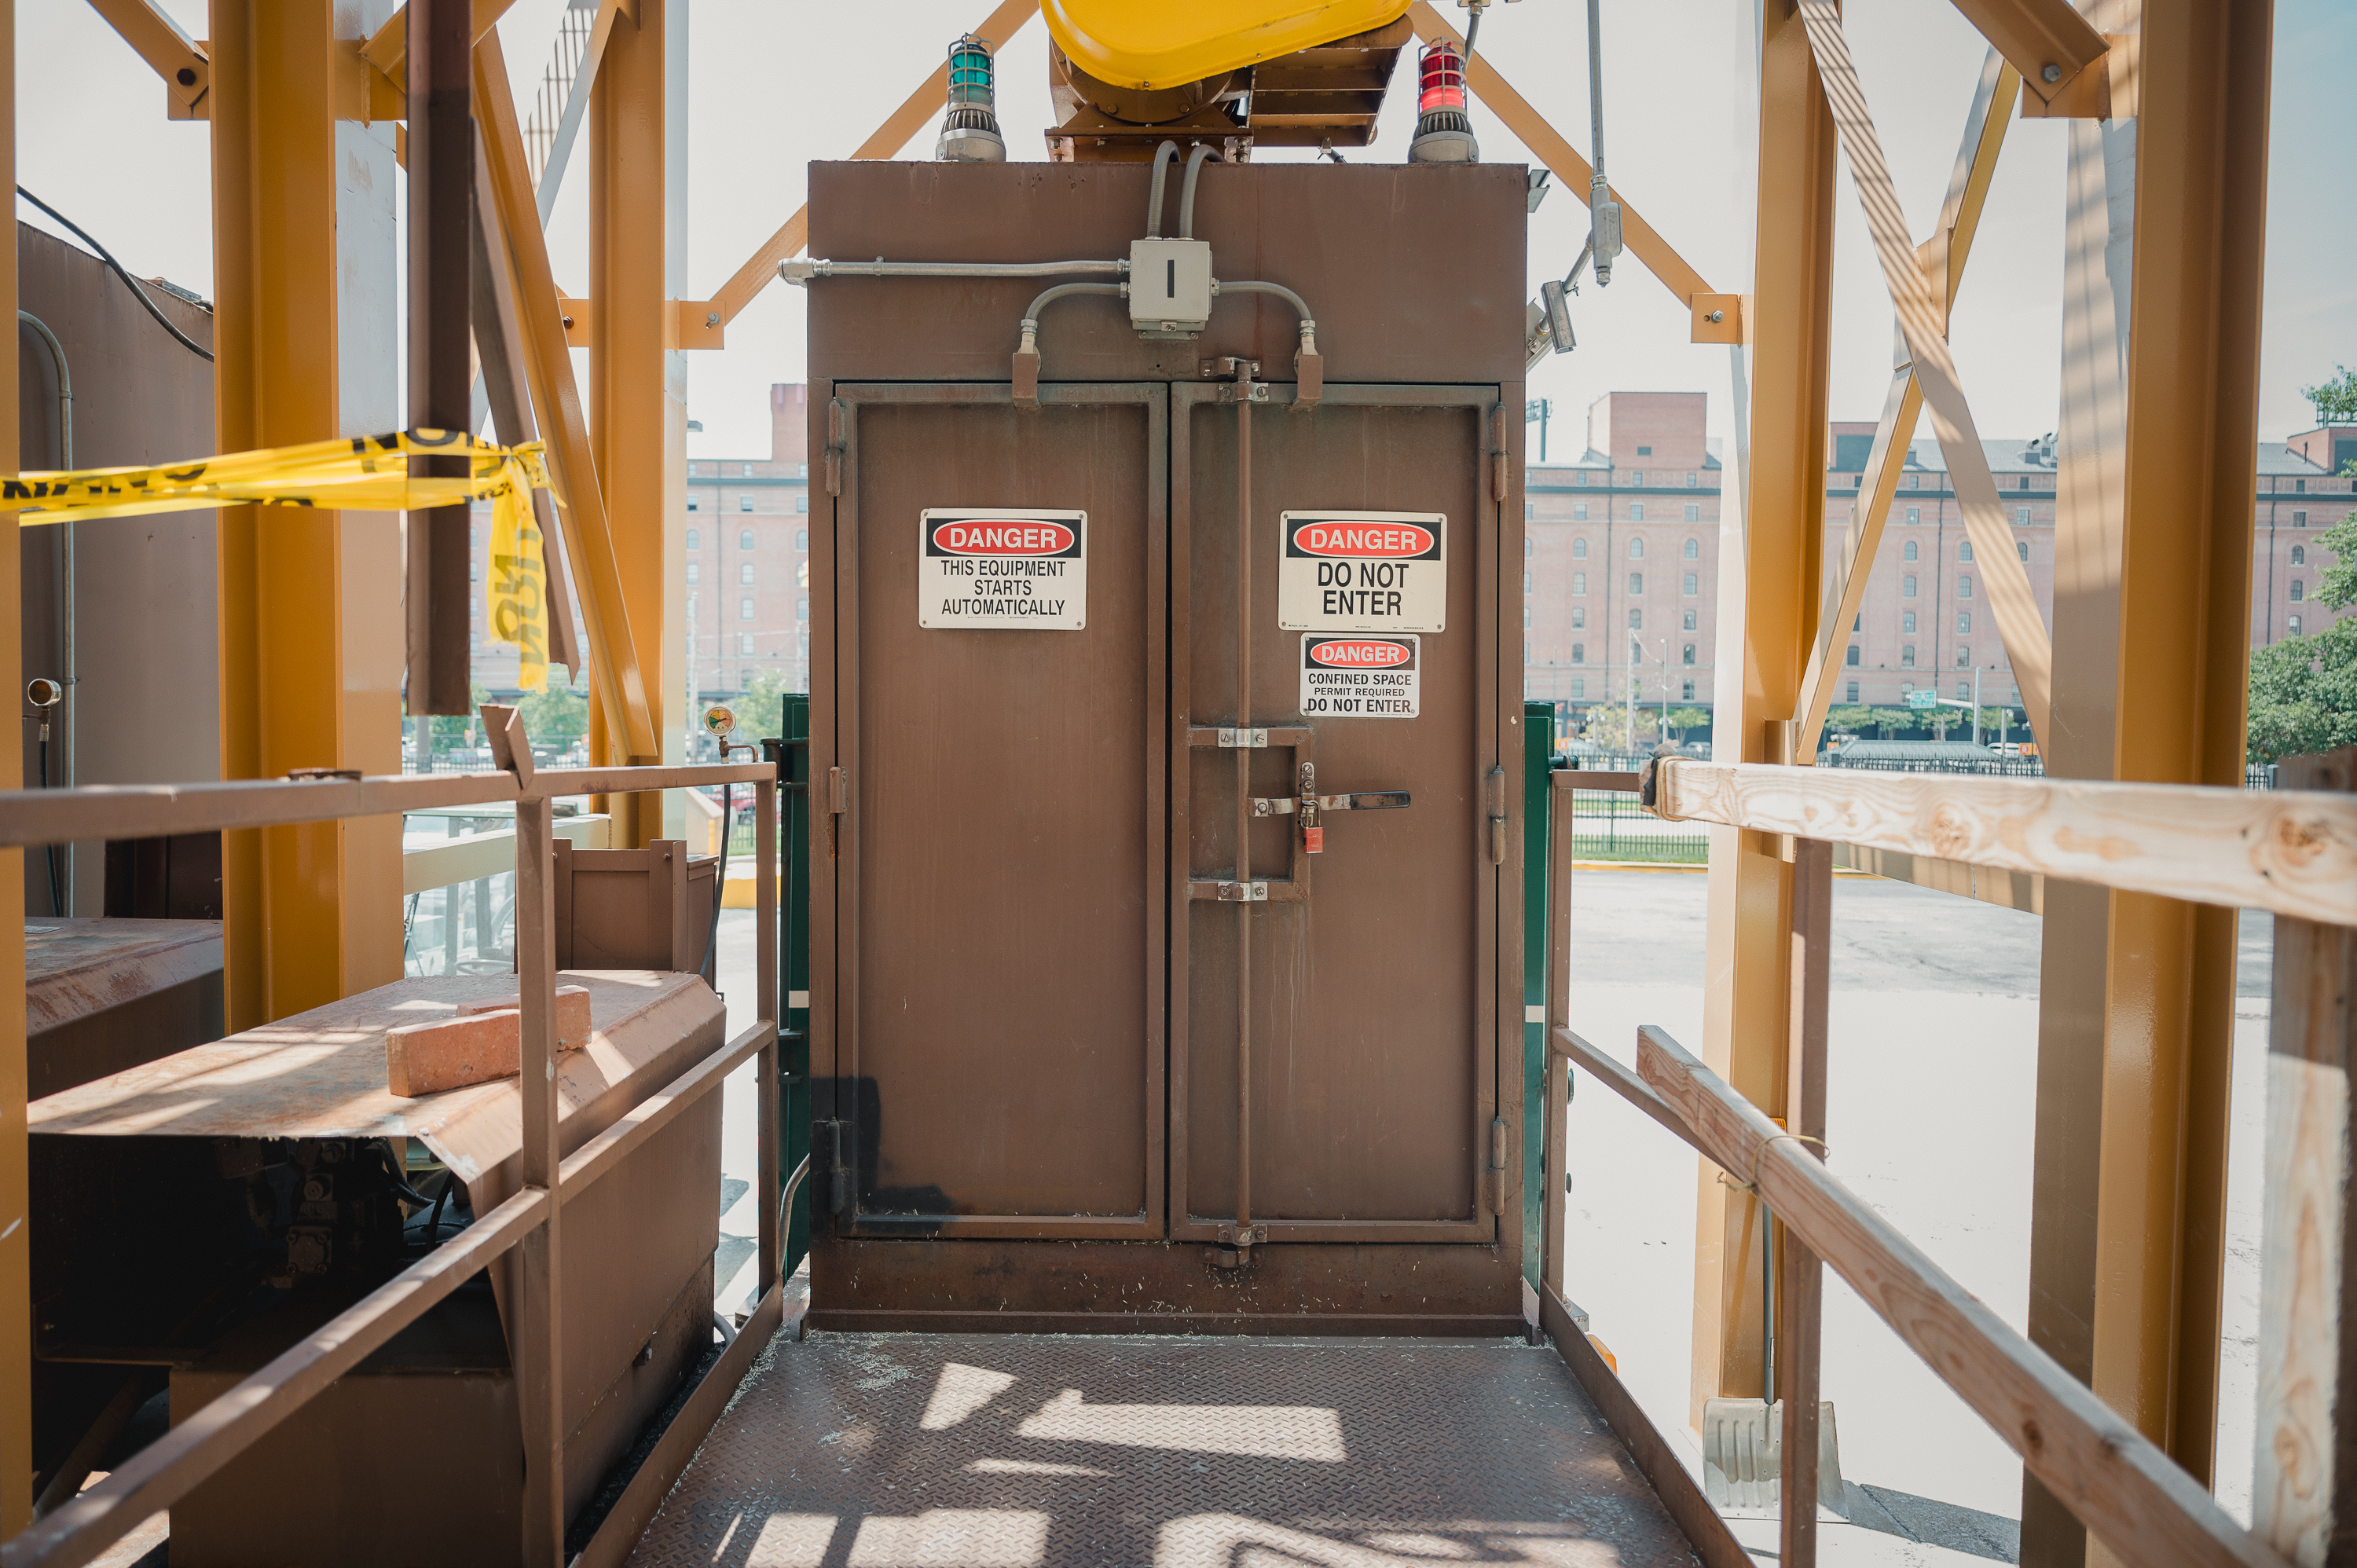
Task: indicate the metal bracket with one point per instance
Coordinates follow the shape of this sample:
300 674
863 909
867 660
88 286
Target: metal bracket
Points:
1243 893
838 790
1232 1235
1244 739
1366 801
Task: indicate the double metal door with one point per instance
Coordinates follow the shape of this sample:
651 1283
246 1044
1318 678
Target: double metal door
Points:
1067 983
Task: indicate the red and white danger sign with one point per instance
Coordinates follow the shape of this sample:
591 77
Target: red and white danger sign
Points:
1360 677
1002 571
1363 571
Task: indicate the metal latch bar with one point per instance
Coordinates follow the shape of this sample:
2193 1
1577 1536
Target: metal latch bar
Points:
1366 801
1243 893
1244 739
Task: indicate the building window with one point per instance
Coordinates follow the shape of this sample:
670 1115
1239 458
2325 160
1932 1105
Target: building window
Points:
1636 511
2022 546
1914 482
1579 582
1694 513
1579 653
1689 691
695 571
745 539
804 637
1637 475
691 501
1693 582
1853 690
2298 555
693 539
1580 546
1644 451
1907 658
2299 590
1688 659
745 573
1908 552
1636 620
2299 519
1693 549
2292 625
745 609
1578 687
1579 479
1907 588
2300 486
801 609
1963 661
1907 622
1526 618
1689 622
1637 549
1963 587
1579 514
1852 659
1964 620
2021 516
2025 483
1964 551
801 538
1914 514
1527 582
802 503
745 501
1691 481
691 606
745 643
1530 512
1636 582
1579 618
1530 547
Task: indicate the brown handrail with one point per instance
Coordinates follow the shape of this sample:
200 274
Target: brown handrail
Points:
168 1469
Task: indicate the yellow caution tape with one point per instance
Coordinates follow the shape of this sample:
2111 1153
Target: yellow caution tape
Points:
367 473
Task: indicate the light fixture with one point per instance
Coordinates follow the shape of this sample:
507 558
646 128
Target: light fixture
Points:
970 128
1443 133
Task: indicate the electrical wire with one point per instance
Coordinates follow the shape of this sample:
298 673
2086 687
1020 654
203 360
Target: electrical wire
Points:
128 280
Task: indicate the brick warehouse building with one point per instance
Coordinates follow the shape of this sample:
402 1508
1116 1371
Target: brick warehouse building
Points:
1623 544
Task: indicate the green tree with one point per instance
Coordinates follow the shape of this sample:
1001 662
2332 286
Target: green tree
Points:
1608 727
1683 720
2304 689
1851 720
2335 400
2338 586
558 716
1889 722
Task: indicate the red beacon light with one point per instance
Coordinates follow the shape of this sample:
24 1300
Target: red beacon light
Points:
1443 133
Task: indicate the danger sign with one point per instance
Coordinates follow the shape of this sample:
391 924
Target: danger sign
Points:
1363 571
1003 570
1360 677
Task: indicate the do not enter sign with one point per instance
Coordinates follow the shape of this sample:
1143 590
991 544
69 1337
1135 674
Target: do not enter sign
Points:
1363 571
1360 677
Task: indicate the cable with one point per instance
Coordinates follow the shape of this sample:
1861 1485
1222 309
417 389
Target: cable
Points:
129 281
1163 154
720 878
1195 161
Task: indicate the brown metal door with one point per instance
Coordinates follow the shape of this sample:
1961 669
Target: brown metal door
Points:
997 1009
1361 983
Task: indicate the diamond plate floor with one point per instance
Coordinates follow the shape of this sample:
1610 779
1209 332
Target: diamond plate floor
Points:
953 1451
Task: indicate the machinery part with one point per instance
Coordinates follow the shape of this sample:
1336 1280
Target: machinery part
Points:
1603 212
1443 134
1559 318
970 126
1159 46
1171 292
1073 88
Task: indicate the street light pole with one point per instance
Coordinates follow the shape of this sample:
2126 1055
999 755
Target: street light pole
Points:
1976 705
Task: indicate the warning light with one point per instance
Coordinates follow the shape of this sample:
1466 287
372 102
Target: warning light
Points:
970 128
1443 134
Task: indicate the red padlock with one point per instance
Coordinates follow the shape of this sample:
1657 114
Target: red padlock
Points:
1313 841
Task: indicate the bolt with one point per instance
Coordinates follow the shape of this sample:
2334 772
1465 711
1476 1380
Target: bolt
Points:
187 78
712 319
1715 316
2052 73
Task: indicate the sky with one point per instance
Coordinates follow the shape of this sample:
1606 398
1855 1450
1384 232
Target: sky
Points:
775 85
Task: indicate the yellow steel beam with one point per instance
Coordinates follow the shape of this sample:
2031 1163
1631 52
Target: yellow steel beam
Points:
638 421
548 371
1942 258
388 46
1514 111
312 913
187 71
760 269
2046 40
2184 641
16 1194
1922 316
1748 933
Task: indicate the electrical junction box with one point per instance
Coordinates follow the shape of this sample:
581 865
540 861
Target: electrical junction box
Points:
1169 287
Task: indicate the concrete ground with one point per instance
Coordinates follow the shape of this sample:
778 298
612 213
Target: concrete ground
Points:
1932 1062
1933 1054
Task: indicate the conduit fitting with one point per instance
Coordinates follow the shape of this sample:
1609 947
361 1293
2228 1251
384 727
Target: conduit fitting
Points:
1026 357
1308 366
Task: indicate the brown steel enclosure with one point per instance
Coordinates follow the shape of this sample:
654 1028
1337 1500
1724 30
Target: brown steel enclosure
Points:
1029 1008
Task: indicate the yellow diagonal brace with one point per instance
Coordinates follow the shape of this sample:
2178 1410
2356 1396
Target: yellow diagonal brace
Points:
1921 317
186 72
388 46
1516 114
2037 35
760 269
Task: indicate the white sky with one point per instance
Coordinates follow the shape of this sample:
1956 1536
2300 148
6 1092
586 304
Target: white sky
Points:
776 83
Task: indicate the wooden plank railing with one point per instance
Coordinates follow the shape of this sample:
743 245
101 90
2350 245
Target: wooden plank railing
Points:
168 1468
2293 851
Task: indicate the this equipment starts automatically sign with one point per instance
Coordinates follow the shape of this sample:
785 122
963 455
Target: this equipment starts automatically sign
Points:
1003 570
1360 677
1363 571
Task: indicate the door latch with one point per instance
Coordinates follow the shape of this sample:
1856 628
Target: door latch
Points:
1309 807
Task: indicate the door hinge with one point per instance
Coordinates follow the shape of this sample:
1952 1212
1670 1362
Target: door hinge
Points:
838 790
1494 787
837 416
1496 1174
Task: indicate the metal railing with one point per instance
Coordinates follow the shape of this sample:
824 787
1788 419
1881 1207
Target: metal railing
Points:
2293 853
168 1469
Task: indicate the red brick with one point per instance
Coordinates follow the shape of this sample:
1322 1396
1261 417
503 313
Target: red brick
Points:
425 1058
572 1014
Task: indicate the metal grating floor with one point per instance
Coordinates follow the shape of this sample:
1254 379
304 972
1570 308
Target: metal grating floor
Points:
958 1451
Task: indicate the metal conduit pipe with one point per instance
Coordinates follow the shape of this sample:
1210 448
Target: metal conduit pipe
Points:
1195 161
1162 155
1025 371
65 568
1300 307
800 270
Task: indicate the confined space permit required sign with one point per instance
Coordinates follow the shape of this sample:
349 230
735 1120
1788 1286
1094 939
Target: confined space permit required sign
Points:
1002 571
1363 571
1359 677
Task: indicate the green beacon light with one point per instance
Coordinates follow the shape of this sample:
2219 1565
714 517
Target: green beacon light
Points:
970 129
